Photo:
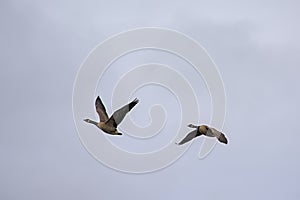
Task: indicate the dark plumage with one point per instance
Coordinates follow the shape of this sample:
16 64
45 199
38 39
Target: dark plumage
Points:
109 125
203 130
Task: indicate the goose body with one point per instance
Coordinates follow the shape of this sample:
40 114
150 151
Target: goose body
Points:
109 125
203 130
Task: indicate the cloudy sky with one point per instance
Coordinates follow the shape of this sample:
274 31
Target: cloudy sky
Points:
255 45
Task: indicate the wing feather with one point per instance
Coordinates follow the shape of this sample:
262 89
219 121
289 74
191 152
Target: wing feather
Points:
221 137
119 114
188 137
100 108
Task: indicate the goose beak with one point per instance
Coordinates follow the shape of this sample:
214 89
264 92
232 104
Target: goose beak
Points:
191 125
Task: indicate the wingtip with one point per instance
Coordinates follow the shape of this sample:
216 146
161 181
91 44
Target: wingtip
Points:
136 100
223 140
132 103
98 98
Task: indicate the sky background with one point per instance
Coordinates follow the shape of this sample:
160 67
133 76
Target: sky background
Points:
255 45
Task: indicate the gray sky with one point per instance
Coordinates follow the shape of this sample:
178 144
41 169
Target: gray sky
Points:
254 44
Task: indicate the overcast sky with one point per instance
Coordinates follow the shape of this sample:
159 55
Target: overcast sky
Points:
255 45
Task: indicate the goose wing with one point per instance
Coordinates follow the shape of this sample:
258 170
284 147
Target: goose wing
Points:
221 137
100 108
119 115
188 137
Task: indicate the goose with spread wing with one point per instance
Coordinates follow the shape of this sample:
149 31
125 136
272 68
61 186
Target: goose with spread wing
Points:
109 125
203 130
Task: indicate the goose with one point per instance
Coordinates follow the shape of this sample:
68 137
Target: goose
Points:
109 125
203 130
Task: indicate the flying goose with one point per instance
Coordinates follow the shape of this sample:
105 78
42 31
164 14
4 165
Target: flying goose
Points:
109 125
203 130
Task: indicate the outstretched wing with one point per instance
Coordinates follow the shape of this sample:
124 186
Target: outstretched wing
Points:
101 110
188 137
221 137
119 115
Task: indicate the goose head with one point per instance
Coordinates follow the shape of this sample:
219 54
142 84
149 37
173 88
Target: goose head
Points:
87 120
192 126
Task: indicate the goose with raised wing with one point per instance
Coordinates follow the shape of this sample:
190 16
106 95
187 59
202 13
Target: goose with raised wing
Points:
203 130
109 125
